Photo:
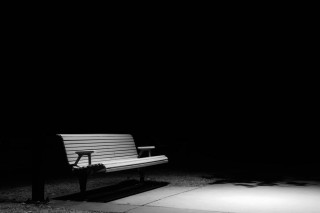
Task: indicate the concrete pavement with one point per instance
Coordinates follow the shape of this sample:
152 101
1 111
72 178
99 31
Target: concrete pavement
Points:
213 198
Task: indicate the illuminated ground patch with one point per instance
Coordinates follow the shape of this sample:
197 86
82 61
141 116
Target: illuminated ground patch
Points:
284 198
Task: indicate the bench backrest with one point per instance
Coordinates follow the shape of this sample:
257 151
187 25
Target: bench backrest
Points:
106 147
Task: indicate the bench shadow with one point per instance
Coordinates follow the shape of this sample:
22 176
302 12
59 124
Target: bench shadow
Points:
252 179
256 183
114 192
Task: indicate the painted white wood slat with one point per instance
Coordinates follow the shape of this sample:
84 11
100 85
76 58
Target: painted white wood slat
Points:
133 166
96 138
106 153
85 161
103 156
68 145
133 161
101 141
103 149
99 150
95 135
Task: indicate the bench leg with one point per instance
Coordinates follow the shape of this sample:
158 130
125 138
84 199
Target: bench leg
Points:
83 181
141 173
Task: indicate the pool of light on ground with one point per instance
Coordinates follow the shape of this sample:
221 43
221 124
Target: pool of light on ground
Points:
282 198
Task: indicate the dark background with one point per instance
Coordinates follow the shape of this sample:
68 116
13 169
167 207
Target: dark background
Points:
204 121
213 89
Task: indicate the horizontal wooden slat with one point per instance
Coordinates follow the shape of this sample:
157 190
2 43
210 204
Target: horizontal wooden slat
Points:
66 138
105 154
98 161
116 162
102 152
137 159
99 140
102 157
93 135
109 143
103 143
124 163
97 149
134 166
85 161
101 149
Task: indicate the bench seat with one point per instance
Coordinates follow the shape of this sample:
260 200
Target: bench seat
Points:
132 163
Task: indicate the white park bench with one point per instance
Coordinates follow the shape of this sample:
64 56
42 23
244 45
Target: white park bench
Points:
90 153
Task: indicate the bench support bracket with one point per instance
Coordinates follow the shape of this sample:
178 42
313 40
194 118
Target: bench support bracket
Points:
141 174
83 177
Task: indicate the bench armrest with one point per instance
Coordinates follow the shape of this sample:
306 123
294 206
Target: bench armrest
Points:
82 153
145 148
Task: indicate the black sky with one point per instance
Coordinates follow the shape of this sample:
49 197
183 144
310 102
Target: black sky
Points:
239 83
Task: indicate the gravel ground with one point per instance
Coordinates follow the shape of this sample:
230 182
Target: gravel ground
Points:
14 194
24 208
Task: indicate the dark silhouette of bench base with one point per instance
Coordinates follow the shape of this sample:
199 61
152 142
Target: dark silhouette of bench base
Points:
113 192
